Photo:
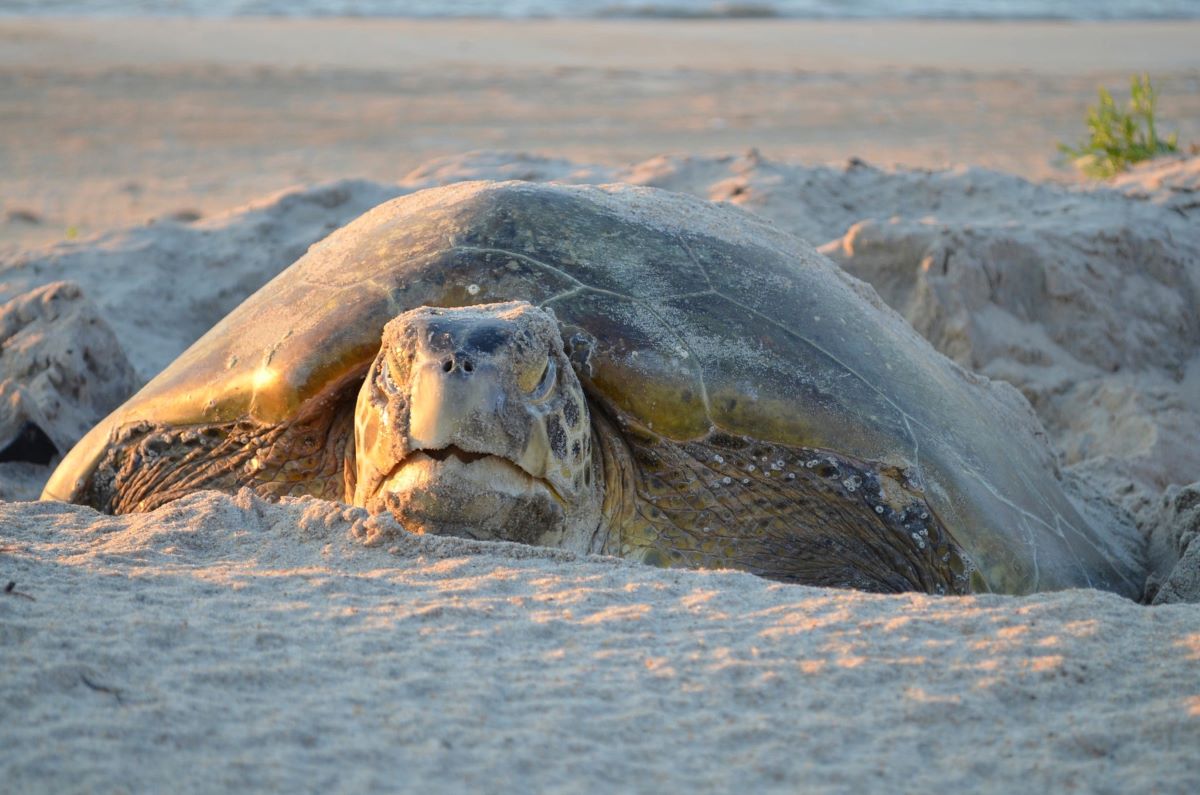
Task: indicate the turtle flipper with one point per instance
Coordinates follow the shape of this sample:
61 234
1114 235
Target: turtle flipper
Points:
150 465
787 513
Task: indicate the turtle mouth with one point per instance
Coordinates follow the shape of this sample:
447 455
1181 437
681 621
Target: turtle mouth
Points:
453 451
486 470
451 491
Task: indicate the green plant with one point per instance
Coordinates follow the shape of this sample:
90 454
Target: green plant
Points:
1120 138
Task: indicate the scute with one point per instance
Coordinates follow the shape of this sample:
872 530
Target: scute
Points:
697 318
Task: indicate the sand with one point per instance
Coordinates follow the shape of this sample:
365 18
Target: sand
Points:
109 122
226 643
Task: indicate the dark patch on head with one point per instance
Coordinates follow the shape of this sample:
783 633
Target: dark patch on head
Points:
577 450
557 436
487 339
571 412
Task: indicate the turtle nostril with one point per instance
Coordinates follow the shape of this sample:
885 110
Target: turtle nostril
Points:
457 360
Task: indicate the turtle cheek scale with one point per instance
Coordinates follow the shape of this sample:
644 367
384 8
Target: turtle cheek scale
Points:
471 422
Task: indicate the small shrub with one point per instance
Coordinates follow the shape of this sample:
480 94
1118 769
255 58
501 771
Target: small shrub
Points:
1120 138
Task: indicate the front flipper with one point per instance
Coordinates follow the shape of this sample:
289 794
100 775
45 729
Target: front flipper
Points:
150 465
787 513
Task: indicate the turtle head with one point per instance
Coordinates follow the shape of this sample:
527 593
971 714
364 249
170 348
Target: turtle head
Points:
472 422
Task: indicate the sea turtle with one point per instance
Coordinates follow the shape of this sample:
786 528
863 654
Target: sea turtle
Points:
617 370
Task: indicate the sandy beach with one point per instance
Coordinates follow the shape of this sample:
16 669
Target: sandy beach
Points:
154 173
110 122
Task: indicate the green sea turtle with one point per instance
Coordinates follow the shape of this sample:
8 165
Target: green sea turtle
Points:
613 370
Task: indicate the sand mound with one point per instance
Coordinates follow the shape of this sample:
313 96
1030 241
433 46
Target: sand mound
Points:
64 370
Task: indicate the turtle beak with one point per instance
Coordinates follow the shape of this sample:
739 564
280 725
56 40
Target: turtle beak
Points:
455 400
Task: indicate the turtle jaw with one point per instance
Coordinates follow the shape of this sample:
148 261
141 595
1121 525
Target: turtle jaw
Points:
473 495
456 459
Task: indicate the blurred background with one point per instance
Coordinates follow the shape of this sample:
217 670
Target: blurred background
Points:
115 111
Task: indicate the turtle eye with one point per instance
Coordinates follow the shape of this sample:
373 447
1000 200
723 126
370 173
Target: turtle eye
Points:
546 382
385 375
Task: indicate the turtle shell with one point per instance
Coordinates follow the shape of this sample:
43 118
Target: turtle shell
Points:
696 317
